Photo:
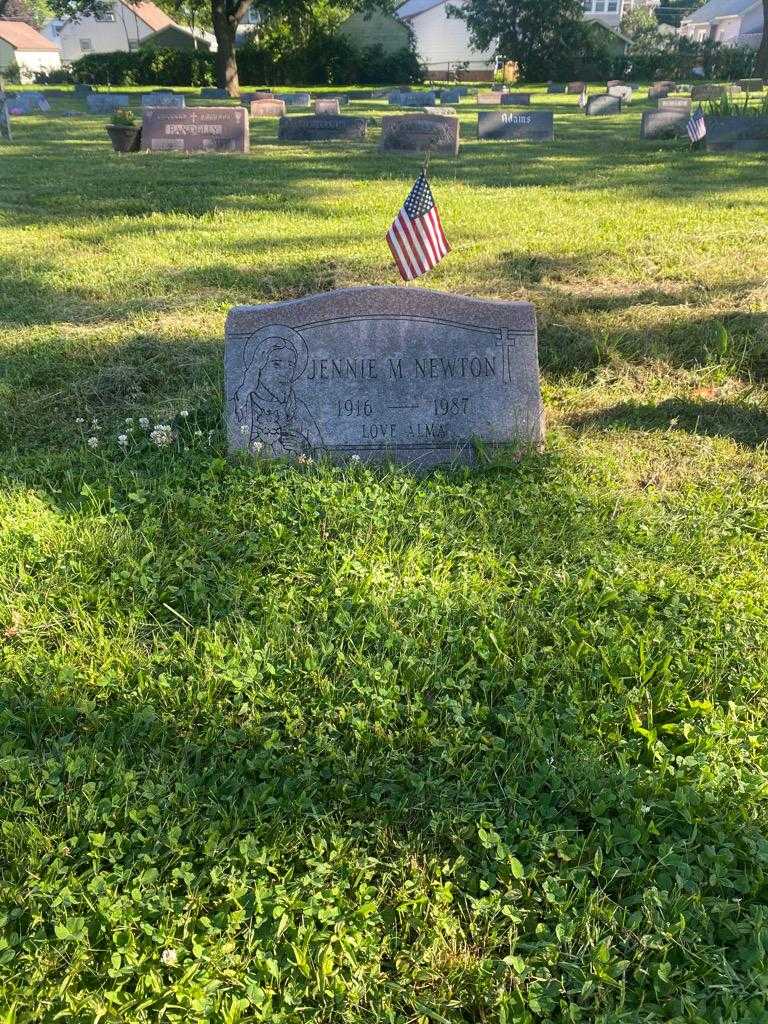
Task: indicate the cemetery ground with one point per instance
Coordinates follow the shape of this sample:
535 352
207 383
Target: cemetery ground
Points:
312 743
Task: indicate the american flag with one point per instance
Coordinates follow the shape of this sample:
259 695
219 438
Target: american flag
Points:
416 238
697 126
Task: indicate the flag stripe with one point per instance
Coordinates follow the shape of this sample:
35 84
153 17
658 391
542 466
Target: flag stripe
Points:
407 246
416 238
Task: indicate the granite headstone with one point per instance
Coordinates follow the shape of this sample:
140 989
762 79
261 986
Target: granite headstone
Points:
413 99
196 129
624 92
599 106
106 102
751 84
29 103
212 93
267 108
708 92
555 88
664 124
451 96
489 99
294 99
419 376
533 126
414 133
725 134
321 128
327 105
575 87
675 103
162 99
516 99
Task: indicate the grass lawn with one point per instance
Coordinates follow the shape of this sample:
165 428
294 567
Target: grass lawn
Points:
316 744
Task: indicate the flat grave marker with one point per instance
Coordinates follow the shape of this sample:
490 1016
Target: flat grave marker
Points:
411 374
162 99
294 99
556 88
326 105
106 102
533 126
195 129
321 128
516 99
413 133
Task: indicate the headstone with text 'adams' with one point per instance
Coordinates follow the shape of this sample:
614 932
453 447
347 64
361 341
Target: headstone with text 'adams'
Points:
419 376
267 108
415 133
163 99
599 106
536 126
196 129
326 105
106 102
321 128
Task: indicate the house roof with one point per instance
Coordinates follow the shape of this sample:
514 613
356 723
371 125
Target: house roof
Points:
150 14
208 39
413 7
24 37
718 9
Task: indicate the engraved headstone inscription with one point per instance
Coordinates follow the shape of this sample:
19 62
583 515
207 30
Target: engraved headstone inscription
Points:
414 133
664 124
162 99
196 129
267 108
327 105
599 106
321 128
533 126
419 376
675 103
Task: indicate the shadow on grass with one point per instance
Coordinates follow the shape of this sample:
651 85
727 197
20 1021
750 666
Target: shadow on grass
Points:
744 423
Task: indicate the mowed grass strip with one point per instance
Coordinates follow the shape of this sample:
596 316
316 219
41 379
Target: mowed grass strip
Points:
288 743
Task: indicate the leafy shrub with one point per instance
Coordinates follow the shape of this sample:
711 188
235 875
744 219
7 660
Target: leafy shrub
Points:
655 56
124 118
146 66
13 73
57 76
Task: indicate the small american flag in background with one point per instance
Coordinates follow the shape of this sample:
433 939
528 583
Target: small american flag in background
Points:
416 238
697 126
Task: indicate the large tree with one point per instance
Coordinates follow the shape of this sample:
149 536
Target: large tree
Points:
542 36
33 12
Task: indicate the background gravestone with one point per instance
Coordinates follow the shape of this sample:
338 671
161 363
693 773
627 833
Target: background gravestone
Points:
751 84
294 99
516 99
489 99
82 90
726 134
106 102
267 108
162 99
675 103
211 93
664 124
599 106
406 373
533 126
707 92
656 92
441 111
5 117
451 96
413 99
321 128
624 92
196 129
575 87
413 133
29 103
326 105
555 88
340 98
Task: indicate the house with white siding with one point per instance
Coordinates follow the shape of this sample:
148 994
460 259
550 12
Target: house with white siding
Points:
730 22
121 26
24 46
443 42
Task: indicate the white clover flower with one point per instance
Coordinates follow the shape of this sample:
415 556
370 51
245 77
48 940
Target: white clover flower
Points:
122 440
354 458
162 435
95 425
169 957
143 422
184 413
93 442
129 421
79 420
244 429
257 446
198 433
